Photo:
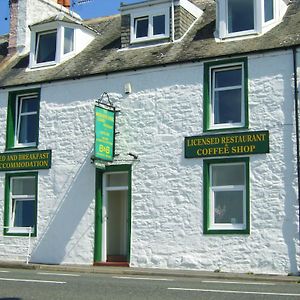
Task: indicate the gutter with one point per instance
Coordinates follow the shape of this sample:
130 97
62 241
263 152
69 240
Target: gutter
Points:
297 124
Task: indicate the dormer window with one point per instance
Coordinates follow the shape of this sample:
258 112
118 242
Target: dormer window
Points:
46 46
240 15
55 41
68 40
237 18
150 27
268 10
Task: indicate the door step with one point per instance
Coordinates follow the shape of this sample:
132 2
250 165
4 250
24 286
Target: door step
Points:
112 264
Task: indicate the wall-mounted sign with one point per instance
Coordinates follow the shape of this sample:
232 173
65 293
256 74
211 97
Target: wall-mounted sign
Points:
242 143
104 133
29 160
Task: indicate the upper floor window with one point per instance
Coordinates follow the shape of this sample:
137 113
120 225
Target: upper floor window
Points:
268 10
225 95
243 17
55 41
150 27
46 46
240 15
68 40
22 119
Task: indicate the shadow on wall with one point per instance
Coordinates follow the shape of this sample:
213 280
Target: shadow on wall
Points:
289 227
52 246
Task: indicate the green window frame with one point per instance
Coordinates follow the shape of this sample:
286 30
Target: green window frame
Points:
22 129
20 204
226 95
226 204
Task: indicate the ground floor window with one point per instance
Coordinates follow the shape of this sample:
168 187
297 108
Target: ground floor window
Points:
226 196
20 203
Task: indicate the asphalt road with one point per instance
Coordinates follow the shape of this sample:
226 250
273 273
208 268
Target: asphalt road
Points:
32 284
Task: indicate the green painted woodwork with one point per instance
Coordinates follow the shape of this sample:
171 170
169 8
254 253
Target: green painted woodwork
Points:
11 115
29 160
7 202
206 196
231 144
207 92
99 205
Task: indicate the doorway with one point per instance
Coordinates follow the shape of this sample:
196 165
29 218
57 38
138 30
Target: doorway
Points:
112 234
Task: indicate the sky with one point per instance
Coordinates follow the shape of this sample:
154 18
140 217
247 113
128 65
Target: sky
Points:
88 9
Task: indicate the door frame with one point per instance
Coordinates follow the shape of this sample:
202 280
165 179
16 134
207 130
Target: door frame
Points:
98 239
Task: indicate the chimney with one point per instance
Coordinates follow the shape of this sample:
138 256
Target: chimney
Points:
65 3
12 38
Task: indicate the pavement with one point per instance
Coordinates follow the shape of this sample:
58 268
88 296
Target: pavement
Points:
151 272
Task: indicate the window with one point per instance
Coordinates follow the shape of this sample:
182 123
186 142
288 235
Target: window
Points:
68 40
141 27
225 95
149 27
20 203
46 47
226 196
22 119
240 15
237 18
268 10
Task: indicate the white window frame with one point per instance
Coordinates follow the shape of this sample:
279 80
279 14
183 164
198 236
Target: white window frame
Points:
63 46
270 22
39 34
260 26
142 13
212 71
213 189
12 205
18 116
60 56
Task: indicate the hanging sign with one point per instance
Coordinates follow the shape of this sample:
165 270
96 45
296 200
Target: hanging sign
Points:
104 133
242 143
29 160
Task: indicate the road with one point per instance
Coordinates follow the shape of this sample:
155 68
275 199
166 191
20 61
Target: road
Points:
32 284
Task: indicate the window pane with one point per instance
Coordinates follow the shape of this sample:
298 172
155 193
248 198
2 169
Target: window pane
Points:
227 78
117 179
229 207
29 105
141 27
228 106
24 212
46 47
159 25
23 186
28 129
269 10
240 15
223 175
68 40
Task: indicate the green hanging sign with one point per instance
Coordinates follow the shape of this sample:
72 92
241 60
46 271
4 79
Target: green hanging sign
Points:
232 144
104 133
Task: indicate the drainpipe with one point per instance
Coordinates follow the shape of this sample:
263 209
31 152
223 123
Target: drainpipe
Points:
297 123
173 21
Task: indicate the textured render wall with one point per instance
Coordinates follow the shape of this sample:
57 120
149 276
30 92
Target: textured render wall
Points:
167 231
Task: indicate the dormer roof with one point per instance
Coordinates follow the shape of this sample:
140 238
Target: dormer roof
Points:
104 56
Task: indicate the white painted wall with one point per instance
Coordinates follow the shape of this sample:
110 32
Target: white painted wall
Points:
167 204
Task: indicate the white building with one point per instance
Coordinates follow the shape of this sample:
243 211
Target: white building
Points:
204 173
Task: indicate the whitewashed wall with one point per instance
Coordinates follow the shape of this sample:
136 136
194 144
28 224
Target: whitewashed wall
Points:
167 204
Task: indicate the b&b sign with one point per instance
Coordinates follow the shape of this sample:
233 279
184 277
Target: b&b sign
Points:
104 133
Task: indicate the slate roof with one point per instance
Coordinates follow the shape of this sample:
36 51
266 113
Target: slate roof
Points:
104 56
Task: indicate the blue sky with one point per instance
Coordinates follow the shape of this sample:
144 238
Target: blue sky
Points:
90 9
